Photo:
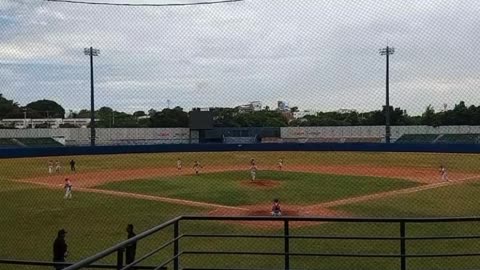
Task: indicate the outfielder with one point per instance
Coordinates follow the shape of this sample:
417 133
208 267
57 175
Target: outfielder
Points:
197 166
68 189
443 173
50 167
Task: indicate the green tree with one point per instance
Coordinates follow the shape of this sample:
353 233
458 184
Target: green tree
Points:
139 114
46 108
175 117
7 107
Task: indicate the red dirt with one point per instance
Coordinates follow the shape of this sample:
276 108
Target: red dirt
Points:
261 183
427 176
90 179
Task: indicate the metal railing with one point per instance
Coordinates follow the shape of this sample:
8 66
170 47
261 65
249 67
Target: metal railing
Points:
64 264
177 253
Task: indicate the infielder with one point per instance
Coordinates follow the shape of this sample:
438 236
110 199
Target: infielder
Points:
179 164
443 173
197 166
57 166
253 172
50 167
68 189
276 210
280 164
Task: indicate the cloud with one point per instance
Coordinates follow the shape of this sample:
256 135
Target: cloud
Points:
314 54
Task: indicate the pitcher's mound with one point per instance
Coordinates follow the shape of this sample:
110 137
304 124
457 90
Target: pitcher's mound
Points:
261 183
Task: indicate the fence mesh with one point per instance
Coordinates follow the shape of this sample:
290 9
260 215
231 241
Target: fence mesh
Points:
76 76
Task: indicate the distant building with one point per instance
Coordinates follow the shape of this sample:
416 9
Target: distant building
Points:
345 111
44 122
252 106
283 106
304 113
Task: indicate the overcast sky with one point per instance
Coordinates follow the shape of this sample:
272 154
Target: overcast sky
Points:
314 54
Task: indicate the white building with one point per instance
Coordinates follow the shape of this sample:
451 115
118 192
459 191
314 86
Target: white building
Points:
282 106
304 113
252 106
50 122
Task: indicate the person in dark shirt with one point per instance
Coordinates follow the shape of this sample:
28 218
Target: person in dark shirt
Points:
60 249
132 248
72 165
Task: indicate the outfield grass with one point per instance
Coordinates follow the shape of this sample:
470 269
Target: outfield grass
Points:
31 167
31 215
229 188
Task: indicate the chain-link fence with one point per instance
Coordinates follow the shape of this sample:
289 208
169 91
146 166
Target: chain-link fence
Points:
135 112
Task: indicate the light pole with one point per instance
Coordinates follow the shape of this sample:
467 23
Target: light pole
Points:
92 52
387 51
25 117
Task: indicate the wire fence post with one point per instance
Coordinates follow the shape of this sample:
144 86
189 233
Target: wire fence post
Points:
287 244
403 258
175 245
120 259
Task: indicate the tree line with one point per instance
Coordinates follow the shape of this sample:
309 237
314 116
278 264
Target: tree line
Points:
107 117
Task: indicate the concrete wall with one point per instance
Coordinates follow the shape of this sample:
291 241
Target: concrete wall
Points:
141 136
105 136
372 131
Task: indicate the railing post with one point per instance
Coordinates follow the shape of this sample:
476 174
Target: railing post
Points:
286 237
175 245
120 259
403 258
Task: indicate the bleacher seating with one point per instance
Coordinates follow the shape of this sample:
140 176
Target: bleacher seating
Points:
459 139
271 140
239 140
363 140
294 140
38 142
417 138
8 143
324 140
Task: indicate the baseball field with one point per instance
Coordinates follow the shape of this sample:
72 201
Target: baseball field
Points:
112 191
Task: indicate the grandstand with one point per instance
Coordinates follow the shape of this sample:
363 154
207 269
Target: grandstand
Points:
8 143
38 142
417 138
458 139
239 140
363 140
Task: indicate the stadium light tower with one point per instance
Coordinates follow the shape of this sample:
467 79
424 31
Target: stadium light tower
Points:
92 52
387 51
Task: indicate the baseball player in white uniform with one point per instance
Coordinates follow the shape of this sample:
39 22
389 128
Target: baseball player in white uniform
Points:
57 166
280 164
443 173
50 167
253 172
179 164
68 189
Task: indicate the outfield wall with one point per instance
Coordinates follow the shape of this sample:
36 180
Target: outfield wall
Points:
371 131
149 136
